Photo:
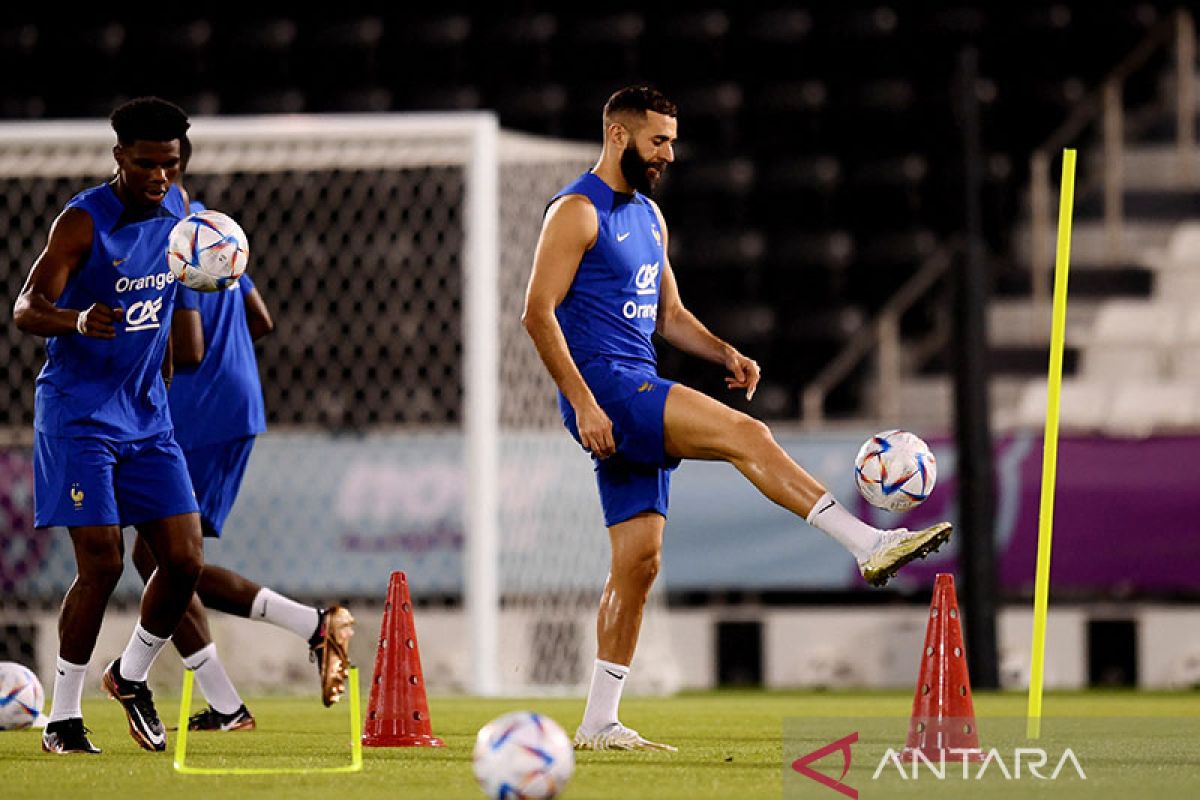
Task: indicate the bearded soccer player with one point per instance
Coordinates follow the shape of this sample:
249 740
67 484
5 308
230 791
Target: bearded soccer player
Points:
105 455
601 285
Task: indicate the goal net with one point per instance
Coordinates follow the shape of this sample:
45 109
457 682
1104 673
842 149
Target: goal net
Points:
411 424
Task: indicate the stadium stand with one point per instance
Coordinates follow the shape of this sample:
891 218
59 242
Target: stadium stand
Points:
820 152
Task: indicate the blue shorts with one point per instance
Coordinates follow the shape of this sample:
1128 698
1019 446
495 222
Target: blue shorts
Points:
637 478
217 471
97 481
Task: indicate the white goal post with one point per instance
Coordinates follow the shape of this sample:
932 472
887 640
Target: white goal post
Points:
397 247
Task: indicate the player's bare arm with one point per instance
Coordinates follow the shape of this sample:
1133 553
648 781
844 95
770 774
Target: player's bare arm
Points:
258 318
569 230
683 330
68 246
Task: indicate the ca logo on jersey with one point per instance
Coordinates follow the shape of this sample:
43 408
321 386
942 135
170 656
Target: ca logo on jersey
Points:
647 276
143 315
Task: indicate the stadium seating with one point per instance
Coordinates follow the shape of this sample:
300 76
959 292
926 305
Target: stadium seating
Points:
820 152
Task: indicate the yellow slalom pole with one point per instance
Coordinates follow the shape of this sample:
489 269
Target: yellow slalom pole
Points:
1058 328
356 761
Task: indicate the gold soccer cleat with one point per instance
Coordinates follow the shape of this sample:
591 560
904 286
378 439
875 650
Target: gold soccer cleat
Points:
327 648
617 737
897 548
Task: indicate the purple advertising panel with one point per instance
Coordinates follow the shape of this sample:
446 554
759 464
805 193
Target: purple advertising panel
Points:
1126 515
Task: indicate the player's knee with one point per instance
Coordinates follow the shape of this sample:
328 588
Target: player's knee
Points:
750 435
102 570
642 568
185 566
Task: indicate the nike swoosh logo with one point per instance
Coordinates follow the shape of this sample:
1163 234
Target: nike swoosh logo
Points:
155 737
143 641
616 675
119 261
60 672
832 503
201 664
622 236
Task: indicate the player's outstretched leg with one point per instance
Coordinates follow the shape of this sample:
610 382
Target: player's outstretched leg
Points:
697 426
327 631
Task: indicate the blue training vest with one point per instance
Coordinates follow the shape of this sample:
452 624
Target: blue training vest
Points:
612 306
113 388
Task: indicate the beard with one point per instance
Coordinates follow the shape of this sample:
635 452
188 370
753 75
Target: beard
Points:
641 174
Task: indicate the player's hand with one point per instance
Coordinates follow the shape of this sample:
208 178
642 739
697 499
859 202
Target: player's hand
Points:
97 321
595 431
744 373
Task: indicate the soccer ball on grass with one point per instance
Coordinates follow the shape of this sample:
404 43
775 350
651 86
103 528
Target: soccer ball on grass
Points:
207 251
21 696
523 756
895 470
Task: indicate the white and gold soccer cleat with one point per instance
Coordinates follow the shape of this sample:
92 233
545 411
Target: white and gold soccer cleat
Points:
618 737
898 547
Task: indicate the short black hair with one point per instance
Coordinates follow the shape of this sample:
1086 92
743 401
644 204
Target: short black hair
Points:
639 100
185 152
149 119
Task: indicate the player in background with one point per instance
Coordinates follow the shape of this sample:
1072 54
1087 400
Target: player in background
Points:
105 454
601 285
217 405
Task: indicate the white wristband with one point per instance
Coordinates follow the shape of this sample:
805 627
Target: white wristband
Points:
81 323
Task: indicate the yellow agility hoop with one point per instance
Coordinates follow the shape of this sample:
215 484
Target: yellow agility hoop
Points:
185 705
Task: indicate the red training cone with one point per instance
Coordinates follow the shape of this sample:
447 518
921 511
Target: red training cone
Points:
943 716
398 713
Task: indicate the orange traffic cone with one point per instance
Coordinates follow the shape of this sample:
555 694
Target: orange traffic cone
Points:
398 712
943 716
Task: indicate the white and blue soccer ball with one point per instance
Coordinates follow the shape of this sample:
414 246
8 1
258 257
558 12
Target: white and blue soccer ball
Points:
895 470
523 756
207 251
21 696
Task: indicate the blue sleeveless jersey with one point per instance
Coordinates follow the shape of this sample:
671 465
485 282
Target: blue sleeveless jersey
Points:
113 387
220 398
612 306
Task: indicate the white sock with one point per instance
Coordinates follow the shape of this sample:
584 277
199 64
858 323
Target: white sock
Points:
278 610
68 690
608 679
214 682
829 517
140 653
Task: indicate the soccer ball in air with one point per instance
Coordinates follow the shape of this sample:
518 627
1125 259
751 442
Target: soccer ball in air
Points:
21 696
207 251
895 470
523 755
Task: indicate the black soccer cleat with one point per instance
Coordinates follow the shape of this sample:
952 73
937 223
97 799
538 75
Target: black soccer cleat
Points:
212 720
67 736
144 724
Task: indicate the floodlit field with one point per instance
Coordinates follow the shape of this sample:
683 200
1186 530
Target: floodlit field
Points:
731 745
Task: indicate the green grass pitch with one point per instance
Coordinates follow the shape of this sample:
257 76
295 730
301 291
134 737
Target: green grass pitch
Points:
730 746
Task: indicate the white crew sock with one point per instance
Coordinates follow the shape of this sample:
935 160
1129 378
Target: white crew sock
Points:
829 517
68 690
140 653
278 610
214 682
608 679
